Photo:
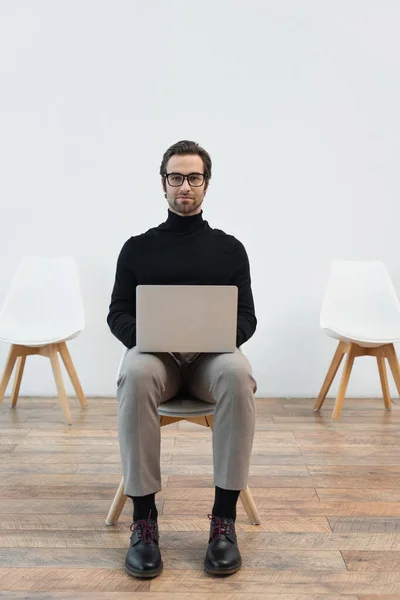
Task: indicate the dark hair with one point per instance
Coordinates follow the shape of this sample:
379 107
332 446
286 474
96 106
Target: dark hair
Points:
187 147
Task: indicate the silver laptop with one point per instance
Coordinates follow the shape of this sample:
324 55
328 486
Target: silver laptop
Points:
186 318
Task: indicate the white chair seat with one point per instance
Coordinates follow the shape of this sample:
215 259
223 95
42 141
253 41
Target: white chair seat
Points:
33 334
367 337
185 406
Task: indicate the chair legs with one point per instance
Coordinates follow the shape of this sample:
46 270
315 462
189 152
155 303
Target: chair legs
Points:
245 495
8 369
17 381
69 365
62 395
249 506
117 505
390 354
330 376
381 353
344 382
18 354
384 382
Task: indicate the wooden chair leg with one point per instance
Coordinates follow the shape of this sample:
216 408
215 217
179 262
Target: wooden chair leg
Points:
55 364
10 362
69 365
384 382
330 376
17 381
117 505
249 506
199 421
210 421
169 420
245 495
391 355
348 365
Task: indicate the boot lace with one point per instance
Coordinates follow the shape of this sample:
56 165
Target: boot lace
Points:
219 527
145 529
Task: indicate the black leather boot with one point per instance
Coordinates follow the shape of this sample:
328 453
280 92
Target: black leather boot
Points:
223 556
144 556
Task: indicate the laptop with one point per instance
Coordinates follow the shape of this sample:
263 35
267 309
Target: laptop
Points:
186 318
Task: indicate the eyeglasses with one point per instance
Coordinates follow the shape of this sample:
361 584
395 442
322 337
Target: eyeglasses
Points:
177 179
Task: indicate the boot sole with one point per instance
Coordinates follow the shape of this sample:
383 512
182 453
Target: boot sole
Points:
231 571
142 575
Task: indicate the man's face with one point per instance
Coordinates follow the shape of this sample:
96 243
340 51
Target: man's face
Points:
185 199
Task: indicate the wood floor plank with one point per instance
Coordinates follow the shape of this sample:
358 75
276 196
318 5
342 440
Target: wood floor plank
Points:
328 542
364 524
285 458
379 597
378 459
311 509
355 471
291 524
174 559
345 438
73 432
53 457
73 468
45 492
49 479
173 596
97 558
49 579
6 449
62 522
95 522
302 481
350 451
262 495
359 495
71 506
256 542
340 581
255 469
282 582
372 560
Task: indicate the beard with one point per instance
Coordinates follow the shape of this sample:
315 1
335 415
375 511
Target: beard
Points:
185 208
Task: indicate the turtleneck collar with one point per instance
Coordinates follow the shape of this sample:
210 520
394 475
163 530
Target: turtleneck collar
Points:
180 224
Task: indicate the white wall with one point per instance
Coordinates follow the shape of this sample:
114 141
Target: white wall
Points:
298 105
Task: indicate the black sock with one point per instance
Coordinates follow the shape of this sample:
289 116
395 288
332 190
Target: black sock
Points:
225 503
143 506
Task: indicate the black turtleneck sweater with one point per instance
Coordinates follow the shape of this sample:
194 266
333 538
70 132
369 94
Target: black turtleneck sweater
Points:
180 251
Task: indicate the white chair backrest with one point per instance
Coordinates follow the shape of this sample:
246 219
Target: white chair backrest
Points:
45 290
358 293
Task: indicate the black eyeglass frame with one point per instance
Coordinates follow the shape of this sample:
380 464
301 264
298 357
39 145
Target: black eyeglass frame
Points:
167 175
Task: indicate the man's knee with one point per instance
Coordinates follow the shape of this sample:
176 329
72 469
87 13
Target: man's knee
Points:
235 375
140 373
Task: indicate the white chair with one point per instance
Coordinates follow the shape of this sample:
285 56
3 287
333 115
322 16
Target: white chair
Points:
42 310
182 408
362 311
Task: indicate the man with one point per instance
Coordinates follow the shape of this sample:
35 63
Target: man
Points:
183 250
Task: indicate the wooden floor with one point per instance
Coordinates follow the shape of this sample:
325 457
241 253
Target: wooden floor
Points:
328 495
